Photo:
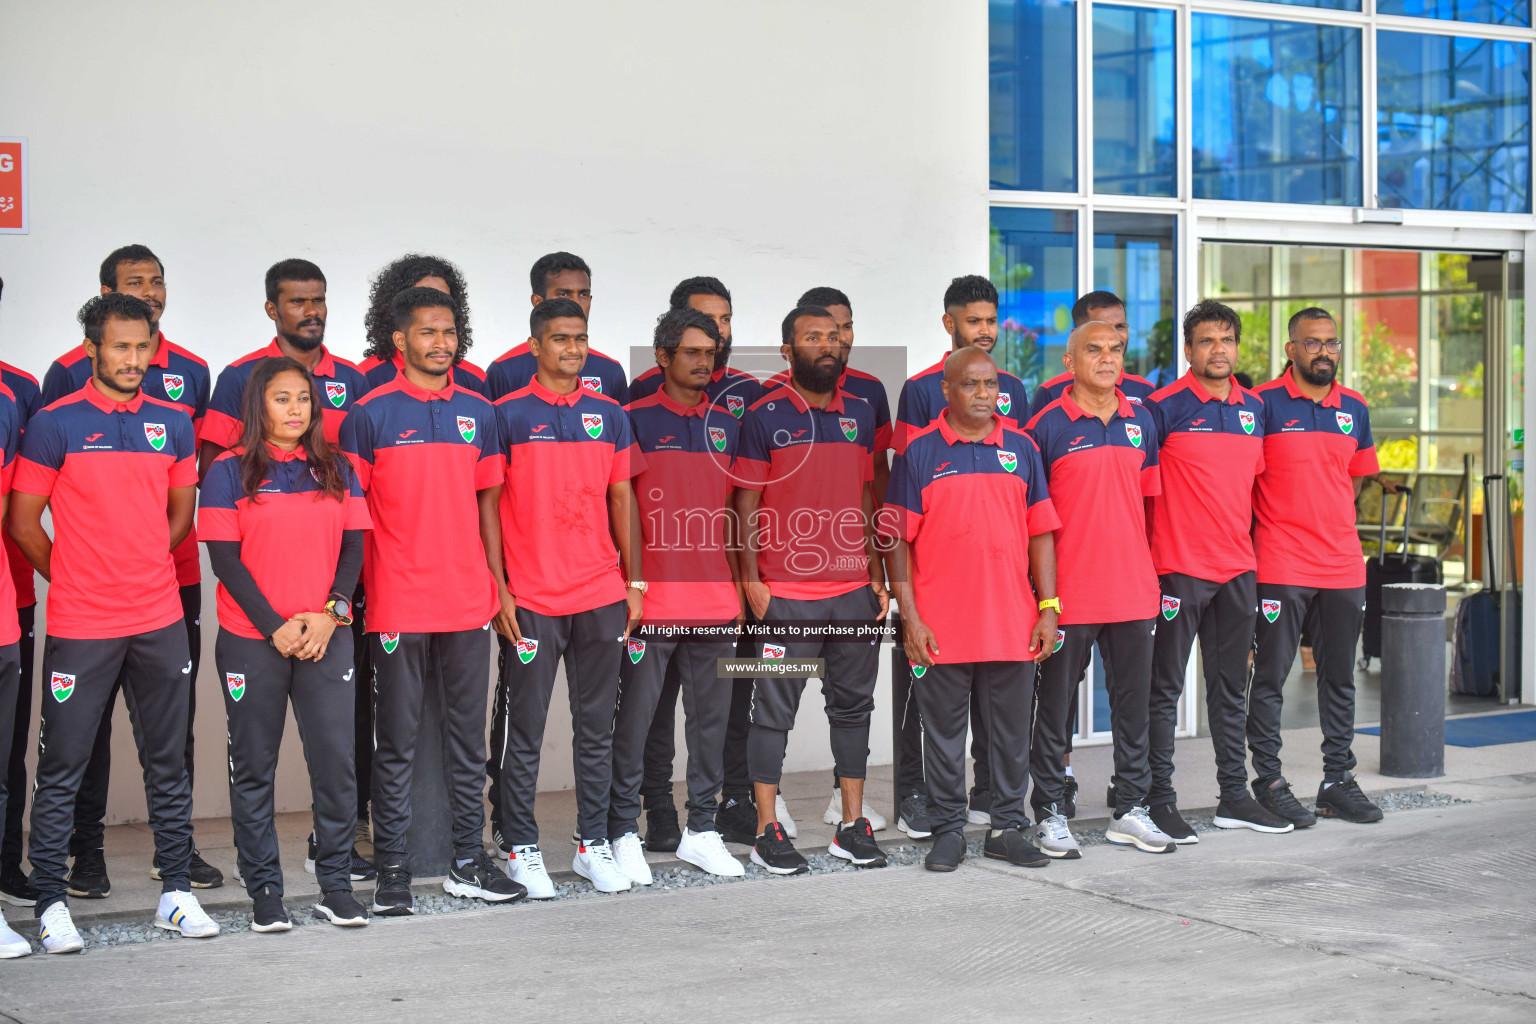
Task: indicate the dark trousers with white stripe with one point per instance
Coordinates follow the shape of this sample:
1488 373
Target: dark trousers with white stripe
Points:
16 763
258 684
1333 618
1221 615
588 644
152 667
452 669
1002 692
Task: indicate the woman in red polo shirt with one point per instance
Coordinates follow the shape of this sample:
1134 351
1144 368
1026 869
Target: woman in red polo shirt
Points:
283 517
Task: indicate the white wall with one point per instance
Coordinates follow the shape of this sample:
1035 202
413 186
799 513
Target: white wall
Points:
776 146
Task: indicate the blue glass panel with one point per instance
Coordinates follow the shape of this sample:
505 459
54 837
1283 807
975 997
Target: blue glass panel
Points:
1134 146
1332 5
1034 266
1034 94
1453 126
1488 12
1276 111
1133 257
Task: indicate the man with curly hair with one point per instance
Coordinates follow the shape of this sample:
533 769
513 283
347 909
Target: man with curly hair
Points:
381 362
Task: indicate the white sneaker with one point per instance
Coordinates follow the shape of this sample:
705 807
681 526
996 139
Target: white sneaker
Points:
834 813
11 944
706 851
1135 828
785 821
57 930
595 863
526 868
180 912
630 856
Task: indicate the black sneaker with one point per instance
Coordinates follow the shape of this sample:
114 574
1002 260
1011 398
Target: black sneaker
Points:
88 877
856 844
392 896
1345 800
1246 812
268 913
980 812
662 833
359 869
201 874
1277 798
1009 844
341 908
1068 806
1168 818
15 889
481 879
773 852
912 817
736 821
947 853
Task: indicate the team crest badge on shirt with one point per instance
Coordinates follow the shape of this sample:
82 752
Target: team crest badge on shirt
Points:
1245 418
593 424
1346 422
1271 609
527 648
389 641
154 433
1170 607
467 427
1004 402
593 384
918 671
636 651
773 652
1061 637
1009 461
236 683
850 427
717 438
735 405
1133 434
336 391
61 685
174 383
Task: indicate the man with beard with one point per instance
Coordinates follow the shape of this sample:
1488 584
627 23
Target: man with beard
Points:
176 376
1317 449
1107 308
810 563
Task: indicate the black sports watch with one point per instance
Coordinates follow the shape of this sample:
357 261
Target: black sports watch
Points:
340 609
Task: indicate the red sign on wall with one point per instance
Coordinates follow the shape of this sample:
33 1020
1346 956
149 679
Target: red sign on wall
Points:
13 186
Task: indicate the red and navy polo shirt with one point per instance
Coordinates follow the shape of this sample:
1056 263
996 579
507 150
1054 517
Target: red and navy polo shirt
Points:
562 452
106 469
1209 452
515 369
861 385
341 384
175 376
922 399
421 456
10 442
1135 389
733 390
288 513
1304 500
1099 473
28 398
811 466
464 373
685 507
968 509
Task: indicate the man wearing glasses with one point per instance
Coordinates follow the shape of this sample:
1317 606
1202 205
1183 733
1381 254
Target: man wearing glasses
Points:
1317 450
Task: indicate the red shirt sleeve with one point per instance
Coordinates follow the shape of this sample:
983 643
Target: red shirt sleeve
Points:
1363 462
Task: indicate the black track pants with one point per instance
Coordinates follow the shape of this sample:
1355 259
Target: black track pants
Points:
1002 693
16 763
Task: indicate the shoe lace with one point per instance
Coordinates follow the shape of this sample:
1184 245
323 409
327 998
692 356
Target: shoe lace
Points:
712 840
531 858
1142 817
57 920
1352 789
393 875
919 804
1056 828
603 852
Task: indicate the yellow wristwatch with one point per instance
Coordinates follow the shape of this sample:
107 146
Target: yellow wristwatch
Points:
1051 602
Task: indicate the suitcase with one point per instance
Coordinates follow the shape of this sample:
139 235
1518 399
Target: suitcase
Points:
1393 567
1477 646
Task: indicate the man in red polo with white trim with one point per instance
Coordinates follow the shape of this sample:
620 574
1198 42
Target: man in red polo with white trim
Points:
1317 451
1100 455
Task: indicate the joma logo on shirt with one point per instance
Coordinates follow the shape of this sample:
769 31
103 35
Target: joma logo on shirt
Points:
92 437
664 440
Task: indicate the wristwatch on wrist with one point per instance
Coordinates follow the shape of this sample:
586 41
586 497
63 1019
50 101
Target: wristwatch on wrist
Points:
340 609
639 585
1051 602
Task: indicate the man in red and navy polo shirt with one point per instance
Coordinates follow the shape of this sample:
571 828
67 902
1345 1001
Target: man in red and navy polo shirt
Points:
565 552
1100 455
1212 446
1108 308
177 376
383 361
425 452
968 498
465 373
811 574
732 389
1317 450
12 682
296 304
684 497
109 454
558 275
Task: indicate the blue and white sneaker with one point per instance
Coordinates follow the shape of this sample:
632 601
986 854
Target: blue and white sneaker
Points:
57 930
180 912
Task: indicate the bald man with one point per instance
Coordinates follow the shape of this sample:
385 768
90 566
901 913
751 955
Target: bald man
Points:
967 500
1100 456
